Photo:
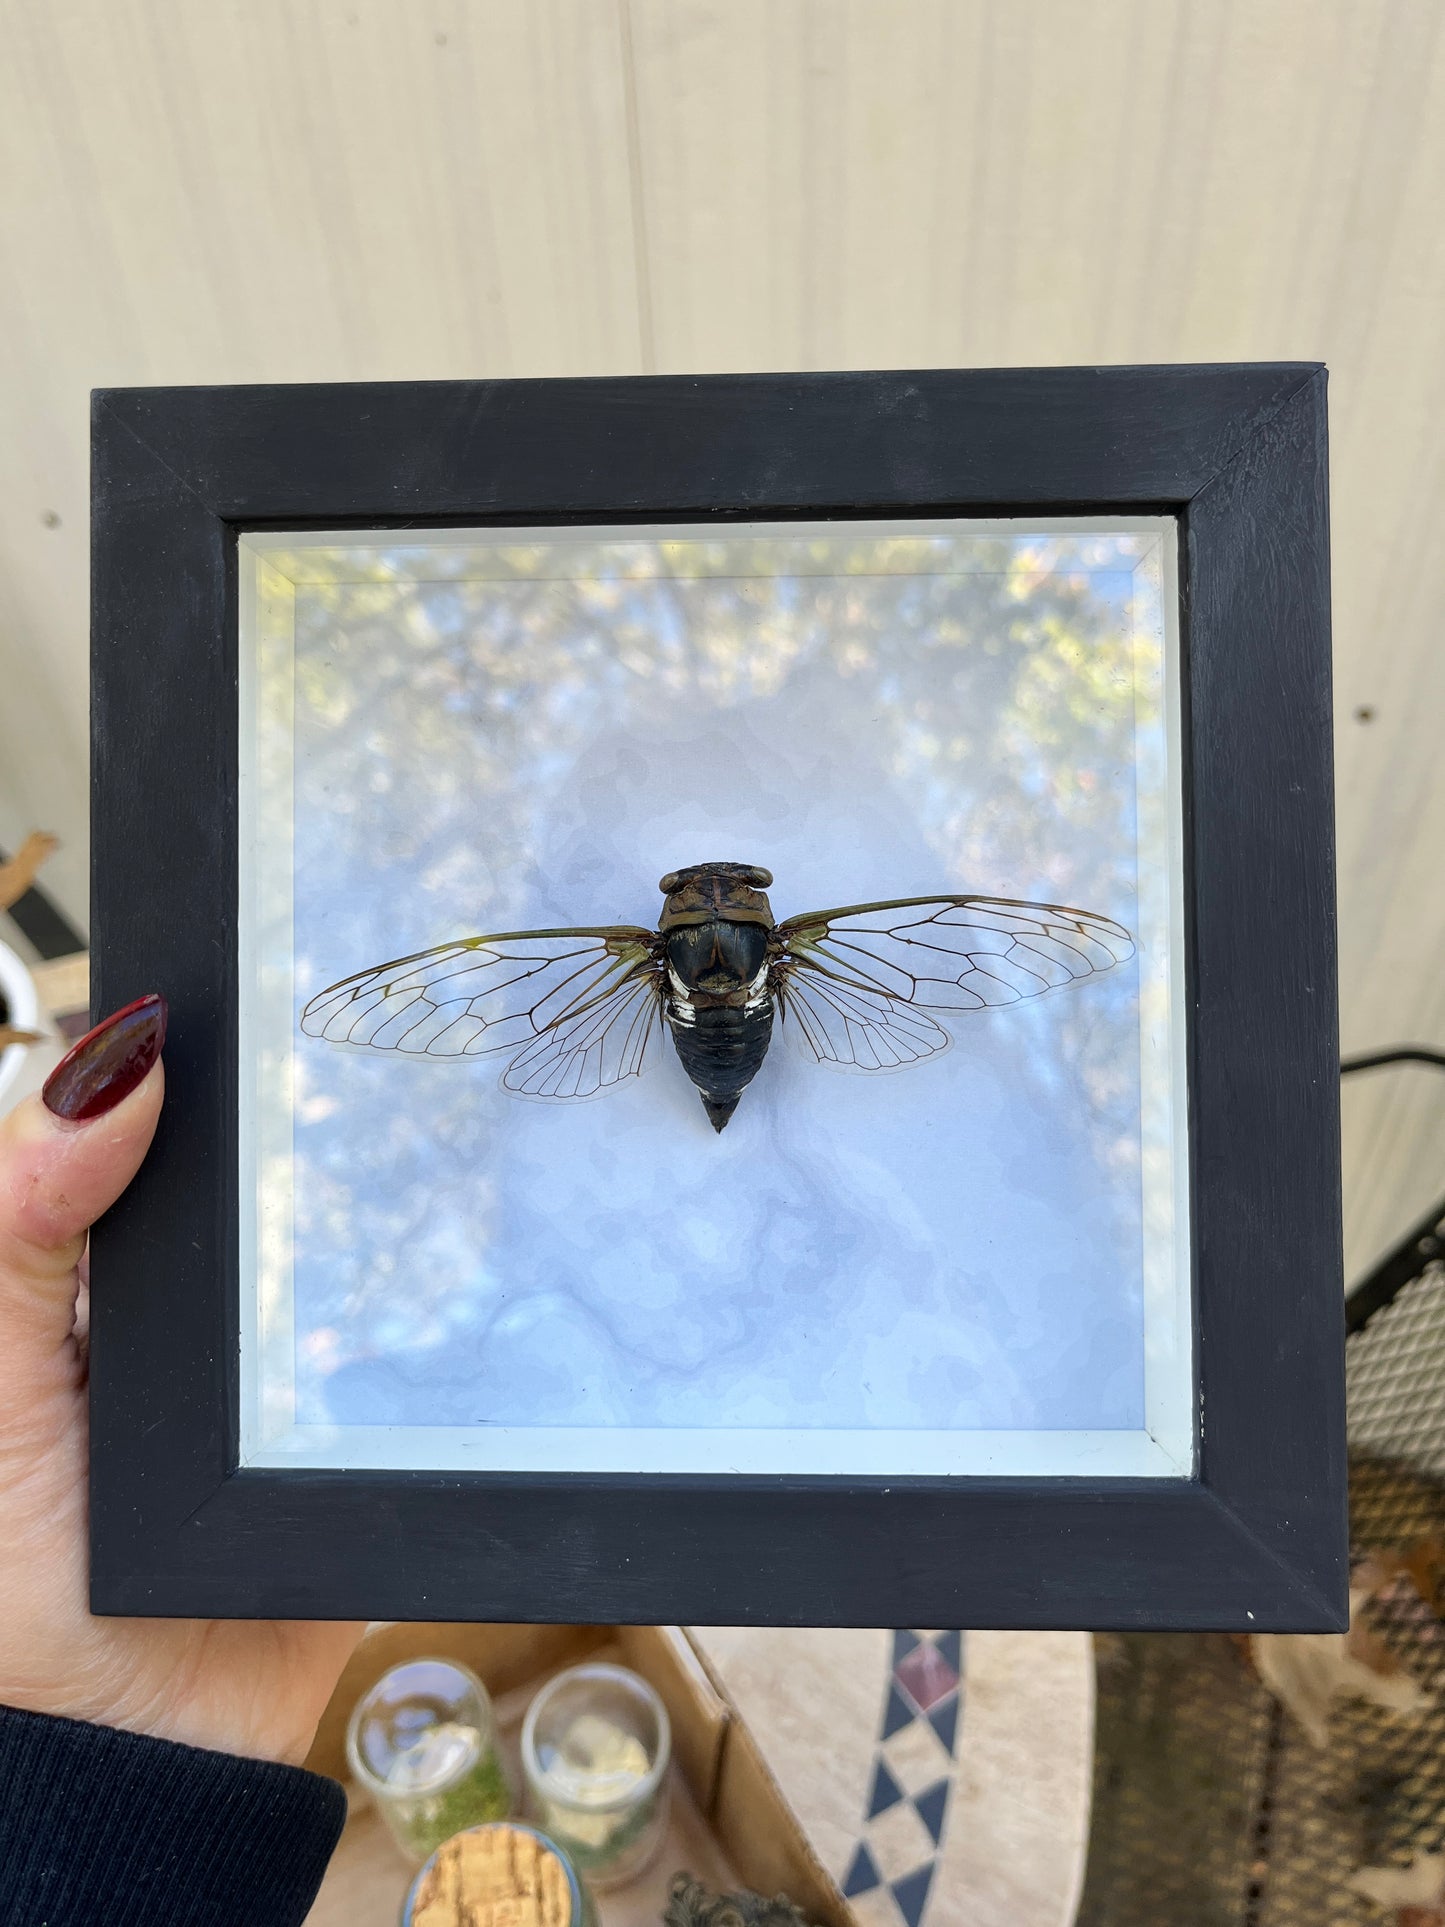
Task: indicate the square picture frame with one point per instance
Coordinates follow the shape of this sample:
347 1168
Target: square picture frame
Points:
260 1435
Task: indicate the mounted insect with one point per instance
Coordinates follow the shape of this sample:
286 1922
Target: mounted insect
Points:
580 1008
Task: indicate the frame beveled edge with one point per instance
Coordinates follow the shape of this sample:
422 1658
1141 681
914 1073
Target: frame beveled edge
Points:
1258 1540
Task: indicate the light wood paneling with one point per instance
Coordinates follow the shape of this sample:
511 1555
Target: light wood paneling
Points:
289 189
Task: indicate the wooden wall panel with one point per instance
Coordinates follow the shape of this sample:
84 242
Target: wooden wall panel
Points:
287 189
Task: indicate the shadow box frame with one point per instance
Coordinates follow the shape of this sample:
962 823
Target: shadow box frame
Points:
1256 1538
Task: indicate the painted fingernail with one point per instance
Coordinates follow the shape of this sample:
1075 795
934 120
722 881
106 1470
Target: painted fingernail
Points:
108 1062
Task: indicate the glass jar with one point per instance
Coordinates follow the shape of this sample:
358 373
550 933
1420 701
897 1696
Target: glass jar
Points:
595 1750
504 1875
422 1742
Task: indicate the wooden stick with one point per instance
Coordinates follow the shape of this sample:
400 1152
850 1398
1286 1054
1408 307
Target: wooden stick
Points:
18 874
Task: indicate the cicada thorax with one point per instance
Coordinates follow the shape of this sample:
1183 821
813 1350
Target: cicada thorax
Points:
716 927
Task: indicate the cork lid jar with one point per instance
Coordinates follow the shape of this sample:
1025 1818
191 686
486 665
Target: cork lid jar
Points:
501 1875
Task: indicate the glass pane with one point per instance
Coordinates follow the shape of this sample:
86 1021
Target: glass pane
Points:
976 1263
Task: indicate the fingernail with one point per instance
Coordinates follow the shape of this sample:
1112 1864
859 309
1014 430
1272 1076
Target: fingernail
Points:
108 1062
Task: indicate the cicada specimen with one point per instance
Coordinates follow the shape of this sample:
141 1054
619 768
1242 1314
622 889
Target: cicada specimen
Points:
579 1011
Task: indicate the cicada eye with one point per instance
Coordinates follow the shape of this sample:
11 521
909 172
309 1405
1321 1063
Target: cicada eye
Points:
669 883
757 876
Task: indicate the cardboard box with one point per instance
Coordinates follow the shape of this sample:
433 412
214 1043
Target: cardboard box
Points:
730 1825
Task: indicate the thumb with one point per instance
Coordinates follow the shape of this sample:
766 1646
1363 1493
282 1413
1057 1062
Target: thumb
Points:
64 1159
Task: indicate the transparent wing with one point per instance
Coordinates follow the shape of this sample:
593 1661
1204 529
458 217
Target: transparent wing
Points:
853 1027
483 994
946 953
598 1046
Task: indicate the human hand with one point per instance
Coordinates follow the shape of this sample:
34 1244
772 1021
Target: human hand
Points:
254 1687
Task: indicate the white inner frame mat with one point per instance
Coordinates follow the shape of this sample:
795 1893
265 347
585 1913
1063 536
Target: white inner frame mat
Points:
562 715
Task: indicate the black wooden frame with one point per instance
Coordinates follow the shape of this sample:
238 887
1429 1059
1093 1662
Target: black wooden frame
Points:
1258 1538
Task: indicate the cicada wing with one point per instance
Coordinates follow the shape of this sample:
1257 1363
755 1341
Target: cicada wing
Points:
598 1046
483 994
951 953
850 1026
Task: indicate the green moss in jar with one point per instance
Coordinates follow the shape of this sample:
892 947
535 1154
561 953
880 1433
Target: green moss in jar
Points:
595 1752
422 1742
480 1795
595 1842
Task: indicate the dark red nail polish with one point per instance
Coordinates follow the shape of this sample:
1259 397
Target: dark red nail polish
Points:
108 1062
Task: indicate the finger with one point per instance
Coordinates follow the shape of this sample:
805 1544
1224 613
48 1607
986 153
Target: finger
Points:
58 1173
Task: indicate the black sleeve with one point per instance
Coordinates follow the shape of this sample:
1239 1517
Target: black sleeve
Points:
98 1826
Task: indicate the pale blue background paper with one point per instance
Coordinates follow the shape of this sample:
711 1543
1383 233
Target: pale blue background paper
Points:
527 729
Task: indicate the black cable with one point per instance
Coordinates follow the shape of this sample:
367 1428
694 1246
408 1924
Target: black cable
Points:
1397 1054
1424 1241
